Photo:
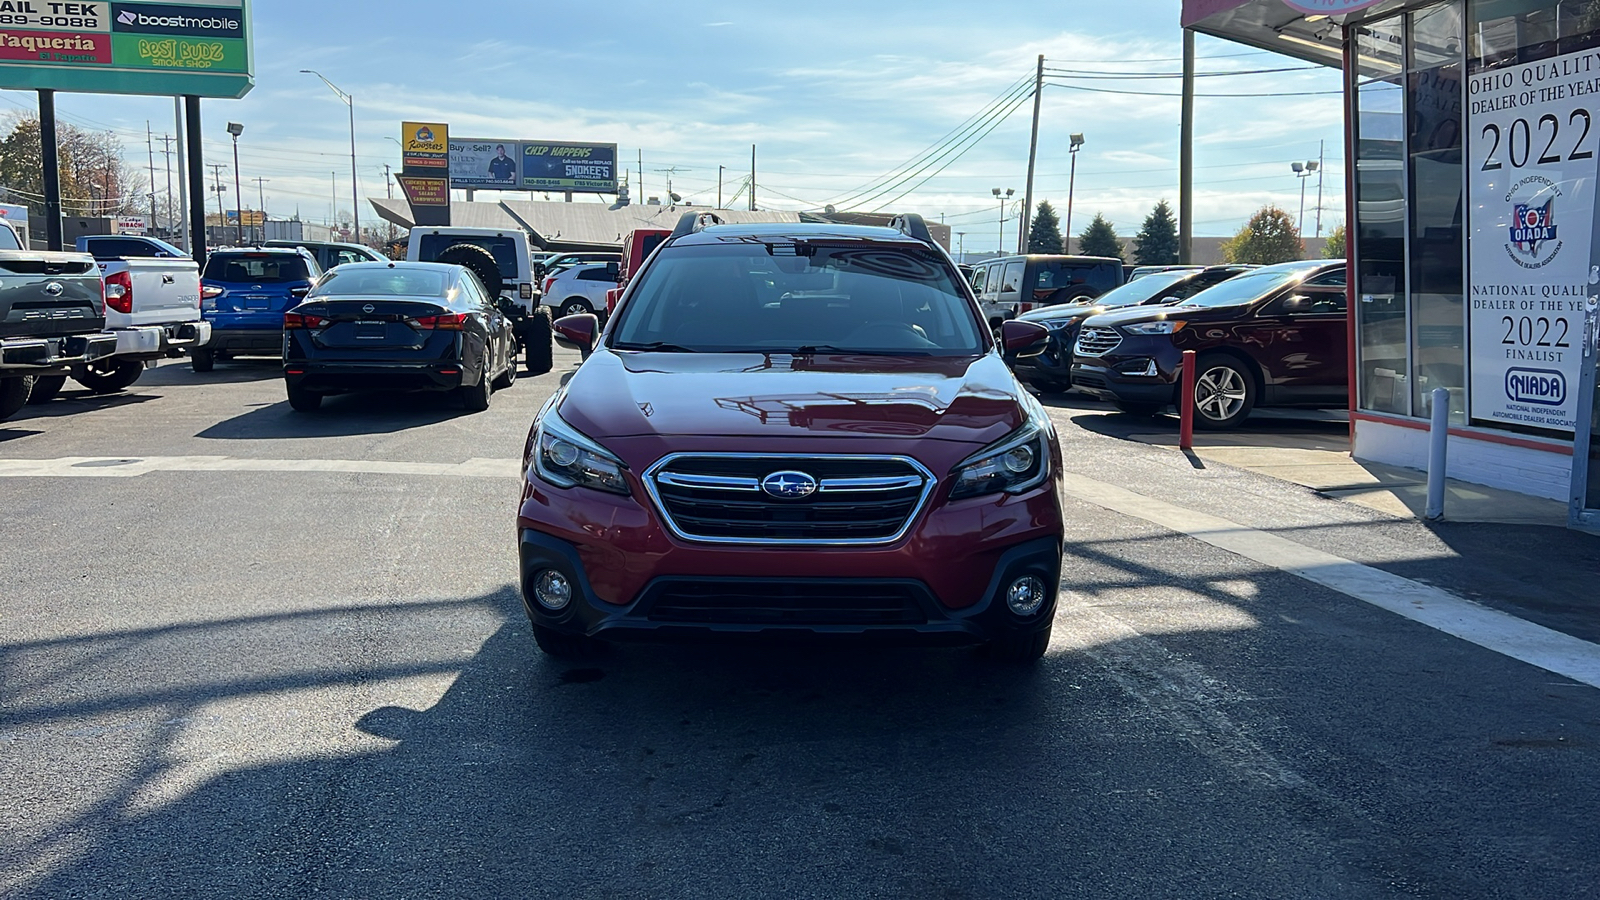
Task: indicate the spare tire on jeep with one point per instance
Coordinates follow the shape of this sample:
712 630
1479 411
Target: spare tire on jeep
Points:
536 336
479 262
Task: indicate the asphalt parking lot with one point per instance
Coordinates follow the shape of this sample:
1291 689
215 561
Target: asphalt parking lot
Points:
252 652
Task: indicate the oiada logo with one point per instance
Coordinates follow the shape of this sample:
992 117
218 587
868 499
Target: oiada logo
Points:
1532 242
1545 387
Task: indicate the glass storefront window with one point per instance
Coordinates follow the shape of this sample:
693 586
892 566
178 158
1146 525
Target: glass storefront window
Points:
1380 220
1510 32
1436 249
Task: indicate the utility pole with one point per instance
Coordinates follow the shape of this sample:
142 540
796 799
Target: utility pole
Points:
219 187
333 205
642 198
1186 156
1321 149
388 183
150 149
166 149
752 177
261 195
1033 152
719 186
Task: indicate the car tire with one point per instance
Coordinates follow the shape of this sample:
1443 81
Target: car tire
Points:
509 376
14 392
1020 649
538 345
45 388
109 376
1051 387
1224 392
1147 410
302 400
202 360
562 645
476 397
479 262
574 306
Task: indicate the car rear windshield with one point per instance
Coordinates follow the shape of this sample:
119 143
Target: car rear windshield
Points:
1051 276
503 249
1247 288
381 282
799 298
8 239
259 268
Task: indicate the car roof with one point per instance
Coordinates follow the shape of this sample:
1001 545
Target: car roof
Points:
796 231
398 264
296 251
284 242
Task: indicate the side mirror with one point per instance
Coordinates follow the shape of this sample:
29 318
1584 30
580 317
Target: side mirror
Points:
1294 304
1161 301
1020 339
614 270
580 332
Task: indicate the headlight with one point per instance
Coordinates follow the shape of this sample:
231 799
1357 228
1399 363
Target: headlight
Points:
565 457
1013 464
1166 326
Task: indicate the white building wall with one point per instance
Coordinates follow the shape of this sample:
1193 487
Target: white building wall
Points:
1520 469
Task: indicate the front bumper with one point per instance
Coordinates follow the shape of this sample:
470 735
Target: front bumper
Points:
30 356
1142 369
341 377
944 583
153 341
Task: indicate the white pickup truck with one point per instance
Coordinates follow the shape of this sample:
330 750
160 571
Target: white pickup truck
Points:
152 306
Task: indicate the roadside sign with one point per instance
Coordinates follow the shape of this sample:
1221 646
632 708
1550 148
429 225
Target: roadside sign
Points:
590 168
425 148
429 197
202 48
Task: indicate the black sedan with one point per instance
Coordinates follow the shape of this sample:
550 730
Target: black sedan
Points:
397 326
1051 371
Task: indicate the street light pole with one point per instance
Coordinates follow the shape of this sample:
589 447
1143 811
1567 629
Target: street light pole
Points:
355 184
235 129
1001 249
1303 171
1074 142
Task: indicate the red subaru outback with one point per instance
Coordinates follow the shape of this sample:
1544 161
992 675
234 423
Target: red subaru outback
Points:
793 430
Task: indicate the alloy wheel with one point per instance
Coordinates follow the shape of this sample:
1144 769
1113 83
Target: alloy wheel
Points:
1220 393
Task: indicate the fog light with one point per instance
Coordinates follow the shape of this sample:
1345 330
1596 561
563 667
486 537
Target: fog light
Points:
1026 595
554 591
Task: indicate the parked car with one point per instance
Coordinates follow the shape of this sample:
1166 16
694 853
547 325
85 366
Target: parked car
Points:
52 317
244 293
152 292
1012 285
561 261
580 289
398 326
1051 371
500 258
333 253
1275 336
793 430
1141 271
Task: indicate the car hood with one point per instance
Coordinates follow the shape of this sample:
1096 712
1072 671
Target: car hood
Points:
858 400
1052 315
1131 314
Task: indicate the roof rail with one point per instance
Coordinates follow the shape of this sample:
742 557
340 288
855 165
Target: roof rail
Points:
694 222
911 225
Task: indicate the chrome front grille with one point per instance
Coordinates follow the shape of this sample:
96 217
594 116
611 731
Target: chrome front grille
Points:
719 498
1097 341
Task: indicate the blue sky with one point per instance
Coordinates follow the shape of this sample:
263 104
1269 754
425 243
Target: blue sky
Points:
836 95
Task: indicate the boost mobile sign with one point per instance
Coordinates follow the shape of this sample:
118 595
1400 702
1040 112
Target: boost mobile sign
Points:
1531 141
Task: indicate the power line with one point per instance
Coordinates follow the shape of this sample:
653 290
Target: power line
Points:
1078 87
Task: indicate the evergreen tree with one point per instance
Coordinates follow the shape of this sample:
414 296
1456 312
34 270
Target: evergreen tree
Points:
1269 237
1100 239
1045 235
1334 248
1157 242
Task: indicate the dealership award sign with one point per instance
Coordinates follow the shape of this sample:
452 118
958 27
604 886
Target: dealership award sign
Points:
1531 138
200 48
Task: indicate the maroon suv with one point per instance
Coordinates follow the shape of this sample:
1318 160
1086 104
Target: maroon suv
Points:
793 430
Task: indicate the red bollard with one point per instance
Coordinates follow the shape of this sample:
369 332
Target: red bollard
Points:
1186 404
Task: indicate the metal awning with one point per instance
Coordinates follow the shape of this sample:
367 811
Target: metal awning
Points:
1312 30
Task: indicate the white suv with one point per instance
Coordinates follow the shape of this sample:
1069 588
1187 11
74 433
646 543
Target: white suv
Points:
580 289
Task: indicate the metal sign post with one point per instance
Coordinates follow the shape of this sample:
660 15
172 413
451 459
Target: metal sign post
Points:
1579 514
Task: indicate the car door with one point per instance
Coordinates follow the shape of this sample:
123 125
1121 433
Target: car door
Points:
1299 339
1010 299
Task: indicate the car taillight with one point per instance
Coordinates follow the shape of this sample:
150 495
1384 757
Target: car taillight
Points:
211 291
293 321
119 292
546 288
445 322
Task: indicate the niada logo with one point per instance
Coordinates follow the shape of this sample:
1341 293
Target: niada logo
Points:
1531 240
1545 387
185 21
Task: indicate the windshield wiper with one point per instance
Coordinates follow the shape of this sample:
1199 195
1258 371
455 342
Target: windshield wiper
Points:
811 349
655 347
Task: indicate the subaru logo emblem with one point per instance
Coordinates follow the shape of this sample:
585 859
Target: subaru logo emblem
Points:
368 308
54 288
789 485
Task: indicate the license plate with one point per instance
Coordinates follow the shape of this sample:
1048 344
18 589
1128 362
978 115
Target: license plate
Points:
371 331
257 302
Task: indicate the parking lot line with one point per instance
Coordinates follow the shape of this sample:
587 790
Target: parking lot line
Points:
1491 629
132 467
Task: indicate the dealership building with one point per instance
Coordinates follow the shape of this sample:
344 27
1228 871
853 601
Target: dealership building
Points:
1473 127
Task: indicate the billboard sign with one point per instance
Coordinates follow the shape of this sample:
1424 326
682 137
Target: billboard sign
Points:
589 168
200 48
478 164
425 147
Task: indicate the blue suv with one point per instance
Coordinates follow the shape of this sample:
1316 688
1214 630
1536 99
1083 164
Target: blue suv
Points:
244 294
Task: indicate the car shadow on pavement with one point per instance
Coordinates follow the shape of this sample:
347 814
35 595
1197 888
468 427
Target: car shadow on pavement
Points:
341 415
72 402
231 371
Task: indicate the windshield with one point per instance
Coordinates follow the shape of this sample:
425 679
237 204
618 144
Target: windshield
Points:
799 298
381 281
259 268
8 239
1133 293
1242 289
